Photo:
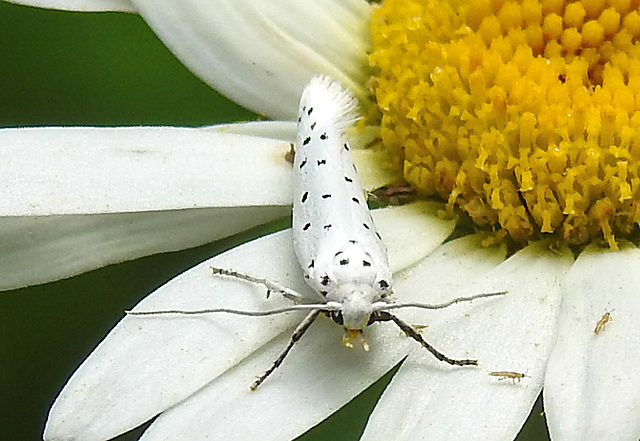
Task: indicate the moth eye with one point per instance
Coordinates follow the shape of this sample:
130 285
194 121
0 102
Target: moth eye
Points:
336 316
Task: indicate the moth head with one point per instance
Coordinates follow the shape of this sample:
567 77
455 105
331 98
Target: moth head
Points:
356 304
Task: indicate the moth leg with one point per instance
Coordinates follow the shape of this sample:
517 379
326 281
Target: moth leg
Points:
383 316
291 154
271 285
297 335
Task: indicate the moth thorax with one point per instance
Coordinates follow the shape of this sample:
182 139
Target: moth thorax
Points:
357 304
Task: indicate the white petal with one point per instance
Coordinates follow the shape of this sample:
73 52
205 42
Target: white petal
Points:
371 162
318 377
43 249
52 171
592 388
429 400
371 168
283 130
413 229
260 54
80 5
77 199
148 364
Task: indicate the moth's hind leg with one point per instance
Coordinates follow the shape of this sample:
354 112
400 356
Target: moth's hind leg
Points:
383 316
271 285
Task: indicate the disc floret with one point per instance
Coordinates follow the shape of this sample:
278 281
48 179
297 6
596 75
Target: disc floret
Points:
524 114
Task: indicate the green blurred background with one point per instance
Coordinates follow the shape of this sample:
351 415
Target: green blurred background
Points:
105 69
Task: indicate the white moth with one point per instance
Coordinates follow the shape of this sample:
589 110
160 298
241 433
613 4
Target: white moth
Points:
336 242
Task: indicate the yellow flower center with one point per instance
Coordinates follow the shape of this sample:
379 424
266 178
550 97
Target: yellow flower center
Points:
524 114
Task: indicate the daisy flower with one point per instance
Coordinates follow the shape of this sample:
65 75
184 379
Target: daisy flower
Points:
520 115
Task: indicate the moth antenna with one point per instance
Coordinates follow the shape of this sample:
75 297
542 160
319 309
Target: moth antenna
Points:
441 305
307 307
